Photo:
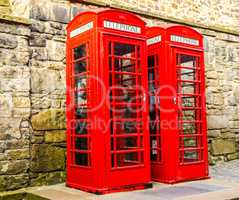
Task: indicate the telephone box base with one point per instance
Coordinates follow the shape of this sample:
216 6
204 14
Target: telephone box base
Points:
111 190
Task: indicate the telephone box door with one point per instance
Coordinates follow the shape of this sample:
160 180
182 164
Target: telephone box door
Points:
191 135
128 136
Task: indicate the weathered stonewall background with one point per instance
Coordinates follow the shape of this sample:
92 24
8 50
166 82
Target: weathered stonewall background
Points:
32 79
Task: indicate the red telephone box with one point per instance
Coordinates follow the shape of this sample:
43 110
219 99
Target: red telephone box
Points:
178 134
107 135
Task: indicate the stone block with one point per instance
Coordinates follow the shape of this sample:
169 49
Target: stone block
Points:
60 14
39 53
37 139
46 158
214 133
56 51
13 195
232 156
47 81
14 79
2 146
13 182
21 102
8 41
38 26
222 146
21 8
55 136
217 121
13 167
37 40
4 3
38 179
6 105
39 12
17 144
18 154
53 119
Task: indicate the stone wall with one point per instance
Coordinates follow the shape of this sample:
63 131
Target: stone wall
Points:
32 80
14 106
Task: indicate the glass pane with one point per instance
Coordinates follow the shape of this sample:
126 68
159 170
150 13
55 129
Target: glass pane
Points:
188 142
187 88
126 143
81 94
81 97
126 80
186 60
128 127
124 65
122 94
128 159
81 112
80 52
124 112
81 159
188 115
152 107
125 50
81 128
81 143
154 127
80 66
81 82
188 102
190 156
188 128
151 61
186 74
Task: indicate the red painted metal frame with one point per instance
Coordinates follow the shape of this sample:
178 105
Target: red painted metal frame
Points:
174 167
97 173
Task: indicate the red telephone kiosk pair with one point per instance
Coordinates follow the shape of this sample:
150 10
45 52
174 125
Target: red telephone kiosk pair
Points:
135 103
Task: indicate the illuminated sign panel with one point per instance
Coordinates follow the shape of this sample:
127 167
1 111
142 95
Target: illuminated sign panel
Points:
81 29
190 41
122 27
154 40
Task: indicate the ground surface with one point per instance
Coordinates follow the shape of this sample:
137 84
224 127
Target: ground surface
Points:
226 171
223 185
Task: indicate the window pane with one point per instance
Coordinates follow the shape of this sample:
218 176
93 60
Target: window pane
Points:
125 65
80 66
128 127
81 93
190 156
81 128
125 50
126 143
81 143
128 159
81 159
80 52
124 112
81 112
122 94
186 60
